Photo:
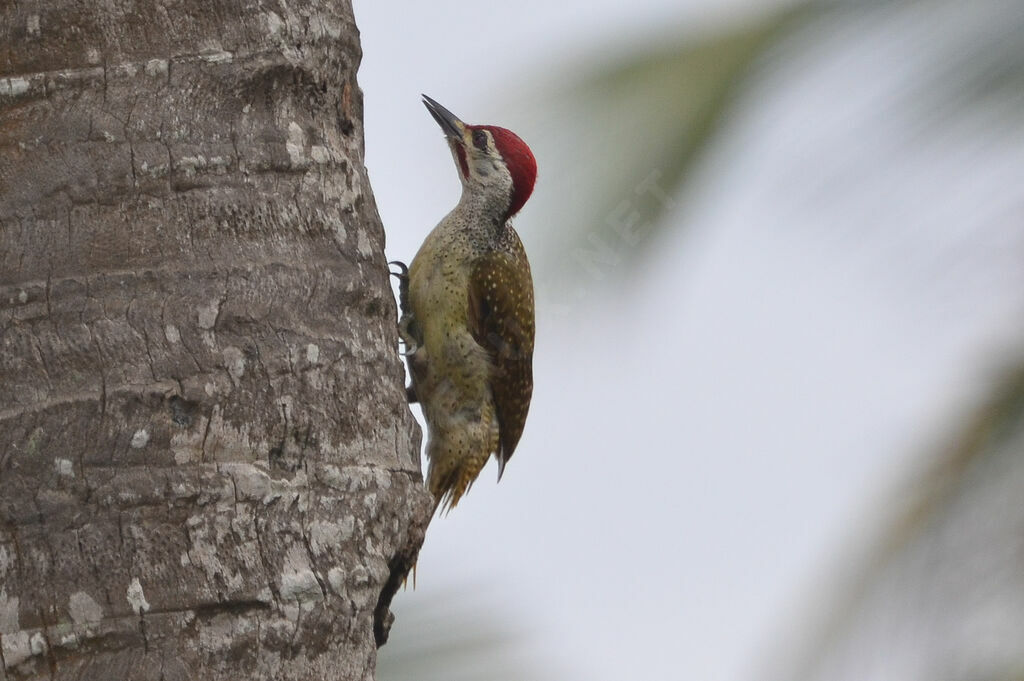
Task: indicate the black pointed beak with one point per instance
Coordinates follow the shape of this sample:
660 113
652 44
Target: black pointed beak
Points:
449 122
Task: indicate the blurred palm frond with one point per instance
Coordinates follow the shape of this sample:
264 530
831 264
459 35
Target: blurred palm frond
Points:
939 596
632 130
628 135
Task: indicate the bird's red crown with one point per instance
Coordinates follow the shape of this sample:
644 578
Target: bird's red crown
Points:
522 166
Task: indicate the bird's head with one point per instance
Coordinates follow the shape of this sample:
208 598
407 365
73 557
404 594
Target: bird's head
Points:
494 163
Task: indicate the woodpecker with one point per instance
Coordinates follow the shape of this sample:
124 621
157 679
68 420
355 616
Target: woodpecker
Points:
468 311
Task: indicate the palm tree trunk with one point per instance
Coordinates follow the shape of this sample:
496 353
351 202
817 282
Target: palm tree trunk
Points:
207 466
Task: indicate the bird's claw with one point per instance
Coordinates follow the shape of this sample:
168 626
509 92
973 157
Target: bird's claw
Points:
406 335
403 285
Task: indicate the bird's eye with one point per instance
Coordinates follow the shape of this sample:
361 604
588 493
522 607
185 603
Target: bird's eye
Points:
480 140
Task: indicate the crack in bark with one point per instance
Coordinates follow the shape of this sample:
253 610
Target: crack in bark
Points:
174 270
267 572
122 390
142 631
43 364
49 308
206 434
144 335
311 558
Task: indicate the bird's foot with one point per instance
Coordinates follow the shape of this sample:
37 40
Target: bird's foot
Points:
406 333
403 285
406 323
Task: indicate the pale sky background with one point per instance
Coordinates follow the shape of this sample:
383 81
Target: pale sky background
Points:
713 441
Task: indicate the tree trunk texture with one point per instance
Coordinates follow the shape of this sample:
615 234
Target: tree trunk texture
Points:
208 469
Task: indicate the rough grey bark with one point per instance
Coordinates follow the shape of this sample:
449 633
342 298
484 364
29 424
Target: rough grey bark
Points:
208 469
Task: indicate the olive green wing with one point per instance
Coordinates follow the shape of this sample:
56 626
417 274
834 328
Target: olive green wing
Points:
501 319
